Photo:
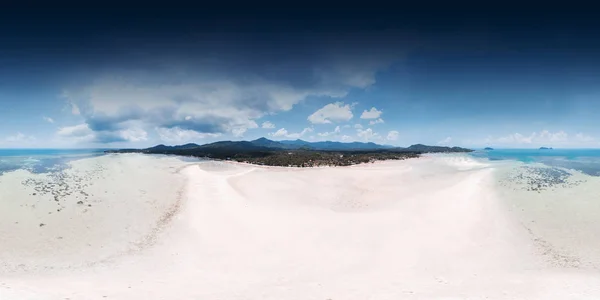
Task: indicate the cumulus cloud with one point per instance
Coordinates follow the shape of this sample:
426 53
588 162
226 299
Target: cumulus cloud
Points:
373 113
331 113
392 135
210 87
367 134
445 141
268 125
346 138
358 126
83 133
282 132
336 131
378 121
181 136
80 130
543 138
48 119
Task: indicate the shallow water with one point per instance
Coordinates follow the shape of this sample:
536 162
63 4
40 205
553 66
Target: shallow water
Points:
42 160
586 161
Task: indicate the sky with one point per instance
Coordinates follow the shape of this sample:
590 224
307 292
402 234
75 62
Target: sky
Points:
100 77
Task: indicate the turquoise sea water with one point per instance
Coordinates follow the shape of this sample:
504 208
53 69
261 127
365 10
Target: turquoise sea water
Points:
42 160
45 160
584 160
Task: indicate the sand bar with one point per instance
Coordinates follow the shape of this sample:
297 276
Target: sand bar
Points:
428 228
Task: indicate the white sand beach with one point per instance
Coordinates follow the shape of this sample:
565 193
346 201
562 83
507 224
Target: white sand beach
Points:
437 227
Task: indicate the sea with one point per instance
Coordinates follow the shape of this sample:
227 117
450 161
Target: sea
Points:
586 161
42 160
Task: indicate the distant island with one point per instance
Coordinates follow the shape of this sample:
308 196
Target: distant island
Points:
545 148
488 148
295 153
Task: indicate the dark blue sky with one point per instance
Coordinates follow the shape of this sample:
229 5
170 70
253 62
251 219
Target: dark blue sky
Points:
140 75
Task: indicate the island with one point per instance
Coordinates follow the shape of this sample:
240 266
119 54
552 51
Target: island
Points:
296 153
488 148
545 148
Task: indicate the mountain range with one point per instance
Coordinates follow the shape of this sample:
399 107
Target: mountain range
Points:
264 144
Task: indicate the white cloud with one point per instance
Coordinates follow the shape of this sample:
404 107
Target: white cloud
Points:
347 126
392 135
70 97
282 132
336 131
268 125
181 136
559 136
543 138
378 121
195 87
346 138
367 134
580 137
445 141
333 112
358 126
516 138
83 133
48 119
19 138
134 134
204 106
81 130
373 113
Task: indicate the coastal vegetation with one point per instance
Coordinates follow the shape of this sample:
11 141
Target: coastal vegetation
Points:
296 153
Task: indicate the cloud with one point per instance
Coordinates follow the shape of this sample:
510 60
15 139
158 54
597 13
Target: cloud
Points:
81 130
358 126
373 113
392 135
543 138
75 109
378 121
19 138
48 119
211 87
178 135
282 132
580 137
83 133
268 125
330 113
445 141
69 96
336 131
367 134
